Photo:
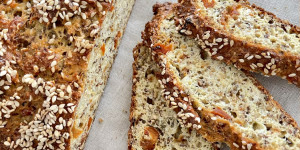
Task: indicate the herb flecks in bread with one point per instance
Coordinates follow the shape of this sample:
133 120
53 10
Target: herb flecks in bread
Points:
153 124
243 35
221 102
55 57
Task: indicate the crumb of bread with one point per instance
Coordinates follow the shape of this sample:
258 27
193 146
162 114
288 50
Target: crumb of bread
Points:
100 120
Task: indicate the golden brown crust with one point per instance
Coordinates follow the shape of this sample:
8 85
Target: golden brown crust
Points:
49 45
219 130
133 100
243 54
151 132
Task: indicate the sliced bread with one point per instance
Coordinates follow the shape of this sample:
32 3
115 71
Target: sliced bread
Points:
153 124
55 57
221 102
244 35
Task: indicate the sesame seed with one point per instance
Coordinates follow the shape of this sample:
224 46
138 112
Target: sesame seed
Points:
188 32
6 143
68 23
292 75
219 40
9 2
236 145
268 57
247 55
45 19
175 94
273 61
6 87
186 99
231 43
220 57
173 103
53 63
260 65
213 118
249 146
250 57
266 71
257 56
241 60
197 119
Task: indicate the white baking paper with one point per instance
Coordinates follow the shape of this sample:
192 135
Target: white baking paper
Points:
111 134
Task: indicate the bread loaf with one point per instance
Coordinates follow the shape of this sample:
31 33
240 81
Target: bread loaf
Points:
244 35
153 124
221 102
55 57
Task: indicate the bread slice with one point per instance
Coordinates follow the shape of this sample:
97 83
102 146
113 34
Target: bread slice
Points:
244 35
55 57
153 124
223 103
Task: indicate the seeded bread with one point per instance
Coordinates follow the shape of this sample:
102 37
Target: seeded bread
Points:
153 123
244 35
221 102
55 57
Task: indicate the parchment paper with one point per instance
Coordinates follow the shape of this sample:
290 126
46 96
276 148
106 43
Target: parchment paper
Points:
111 134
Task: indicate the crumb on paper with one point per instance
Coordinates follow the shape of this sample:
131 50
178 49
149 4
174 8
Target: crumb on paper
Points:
125 111
100 120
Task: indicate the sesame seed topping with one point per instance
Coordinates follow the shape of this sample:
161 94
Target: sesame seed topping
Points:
186 99
231 43
266 71
292 75
68 24
249 146
257 56
260 65
220 57
250 57
236 145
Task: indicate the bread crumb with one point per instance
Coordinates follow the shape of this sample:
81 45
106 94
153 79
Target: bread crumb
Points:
100 120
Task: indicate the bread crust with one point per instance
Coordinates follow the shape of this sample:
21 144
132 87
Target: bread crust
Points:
57 53
243 54
213 130
134 104
133 100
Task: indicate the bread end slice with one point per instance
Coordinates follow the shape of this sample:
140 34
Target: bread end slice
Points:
243 35
219 101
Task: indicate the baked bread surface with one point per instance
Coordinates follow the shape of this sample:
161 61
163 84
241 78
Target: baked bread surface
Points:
221 102
55 57
153 124
244 35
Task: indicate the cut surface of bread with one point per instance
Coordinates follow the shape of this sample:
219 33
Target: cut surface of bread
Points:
244 35
55 57
153 124
221 102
